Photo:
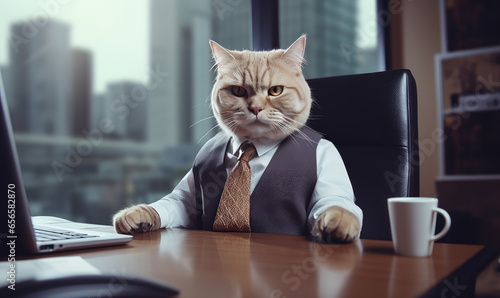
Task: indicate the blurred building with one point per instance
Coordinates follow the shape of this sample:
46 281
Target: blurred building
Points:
97 110
40 76
80 91
232 25
332 25
169 117
127 109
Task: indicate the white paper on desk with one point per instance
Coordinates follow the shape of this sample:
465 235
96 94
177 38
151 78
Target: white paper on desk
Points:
46 268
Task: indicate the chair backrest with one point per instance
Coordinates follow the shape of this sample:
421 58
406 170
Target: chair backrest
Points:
372 120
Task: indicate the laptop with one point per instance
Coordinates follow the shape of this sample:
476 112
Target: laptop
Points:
17 232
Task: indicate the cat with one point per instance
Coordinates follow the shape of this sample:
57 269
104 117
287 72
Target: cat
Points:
262 97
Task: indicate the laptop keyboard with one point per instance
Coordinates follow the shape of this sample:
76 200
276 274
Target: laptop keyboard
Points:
44 234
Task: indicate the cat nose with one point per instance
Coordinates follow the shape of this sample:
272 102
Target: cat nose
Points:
255 110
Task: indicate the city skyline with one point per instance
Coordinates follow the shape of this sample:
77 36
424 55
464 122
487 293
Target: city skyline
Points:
101 36
52 93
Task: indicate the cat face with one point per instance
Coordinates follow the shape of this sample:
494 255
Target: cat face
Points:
260 95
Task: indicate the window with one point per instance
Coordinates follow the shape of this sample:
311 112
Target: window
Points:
342 35
110 99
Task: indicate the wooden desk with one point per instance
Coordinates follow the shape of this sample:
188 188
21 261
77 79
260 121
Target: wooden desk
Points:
212 264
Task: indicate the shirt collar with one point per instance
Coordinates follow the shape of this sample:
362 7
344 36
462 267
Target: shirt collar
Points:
261 147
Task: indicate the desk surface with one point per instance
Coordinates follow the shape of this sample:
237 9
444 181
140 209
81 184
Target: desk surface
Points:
214 264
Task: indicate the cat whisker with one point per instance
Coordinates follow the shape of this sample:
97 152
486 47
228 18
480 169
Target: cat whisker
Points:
230 113
290 130
278 126
293 120
215 65
234 127
292 137
281 125
211 129
198 122
303 135
314 117
207 133
232 124
314 103
208 99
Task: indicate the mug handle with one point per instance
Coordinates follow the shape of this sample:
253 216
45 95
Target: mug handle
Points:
447 224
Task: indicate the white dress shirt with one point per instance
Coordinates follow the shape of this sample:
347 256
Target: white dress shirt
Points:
333 187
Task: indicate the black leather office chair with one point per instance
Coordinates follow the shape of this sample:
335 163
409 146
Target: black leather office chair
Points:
372 120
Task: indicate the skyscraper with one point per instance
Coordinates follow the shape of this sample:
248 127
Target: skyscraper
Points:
331 25
80 91
127 112
97 109
232 26
201 77
167 123
40 74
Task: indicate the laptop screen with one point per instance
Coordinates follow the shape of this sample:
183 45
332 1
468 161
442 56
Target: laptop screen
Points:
16 230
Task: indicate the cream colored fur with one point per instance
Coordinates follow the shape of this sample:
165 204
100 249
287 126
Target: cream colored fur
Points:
257 72
136 219
245 104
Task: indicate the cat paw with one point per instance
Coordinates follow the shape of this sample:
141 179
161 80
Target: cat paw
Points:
336 224
136 219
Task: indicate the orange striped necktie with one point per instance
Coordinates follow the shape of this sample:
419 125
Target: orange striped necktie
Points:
233 213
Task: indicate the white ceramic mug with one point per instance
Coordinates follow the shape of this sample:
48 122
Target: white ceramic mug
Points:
413 221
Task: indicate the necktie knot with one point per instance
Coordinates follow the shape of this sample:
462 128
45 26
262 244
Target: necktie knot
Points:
247 151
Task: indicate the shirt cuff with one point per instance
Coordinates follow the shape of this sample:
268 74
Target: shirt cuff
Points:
162 210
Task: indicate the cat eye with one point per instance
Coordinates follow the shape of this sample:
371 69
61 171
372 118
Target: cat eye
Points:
275 90
238 91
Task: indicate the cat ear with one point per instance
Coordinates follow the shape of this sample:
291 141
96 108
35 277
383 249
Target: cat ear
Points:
221 55
295 53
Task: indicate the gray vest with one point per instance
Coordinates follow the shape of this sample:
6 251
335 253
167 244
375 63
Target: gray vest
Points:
279 202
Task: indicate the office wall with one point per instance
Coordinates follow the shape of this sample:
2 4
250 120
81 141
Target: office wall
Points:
415 30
